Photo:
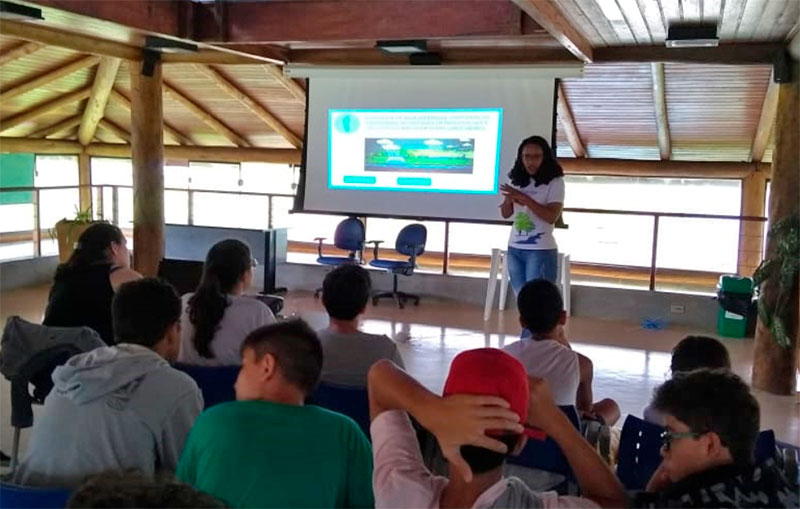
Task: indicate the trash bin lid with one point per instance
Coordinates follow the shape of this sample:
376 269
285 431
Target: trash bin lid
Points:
735 284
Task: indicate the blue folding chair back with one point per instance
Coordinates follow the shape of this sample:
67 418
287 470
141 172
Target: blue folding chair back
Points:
765 446
24 497
546 454
351 401
215 382
639 452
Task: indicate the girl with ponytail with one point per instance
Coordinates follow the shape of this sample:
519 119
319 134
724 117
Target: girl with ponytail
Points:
217 316
84 285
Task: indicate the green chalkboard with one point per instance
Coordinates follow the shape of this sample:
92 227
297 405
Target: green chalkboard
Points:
16 170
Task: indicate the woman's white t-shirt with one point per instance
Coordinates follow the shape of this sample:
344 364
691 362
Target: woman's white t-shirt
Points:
529 231
242 316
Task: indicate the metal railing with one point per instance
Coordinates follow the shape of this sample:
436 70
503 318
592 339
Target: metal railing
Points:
100 209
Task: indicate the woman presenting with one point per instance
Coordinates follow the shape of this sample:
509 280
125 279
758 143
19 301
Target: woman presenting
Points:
535 198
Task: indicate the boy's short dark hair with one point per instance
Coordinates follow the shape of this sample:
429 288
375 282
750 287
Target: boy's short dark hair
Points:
346 291
296 348
713 400
143 310
696 352
540 305
113 490
482 460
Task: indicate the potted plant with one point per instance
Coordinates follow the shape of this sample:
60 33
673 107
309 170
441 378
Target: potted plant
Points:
67 231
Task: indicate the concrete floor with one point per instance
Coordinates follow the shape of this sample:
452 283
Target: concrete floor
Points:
630 362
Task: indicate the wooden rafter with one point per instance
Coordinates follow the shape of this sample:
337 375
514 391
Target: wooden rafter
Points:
120 99
289 84
567 120
96 105
115 129
766 122
44 108
19 51
67 123
660 102
549 16
212 121
70 40
48 76
260 111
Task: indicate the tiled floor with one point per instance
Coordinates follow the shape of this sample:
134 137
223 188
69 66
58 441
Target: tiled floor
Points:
629 361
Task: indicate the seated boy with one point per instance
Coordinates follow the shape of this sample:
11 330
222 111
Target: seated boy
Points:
477 423
547 354
348 353
693 352
268 449
712 424
122 407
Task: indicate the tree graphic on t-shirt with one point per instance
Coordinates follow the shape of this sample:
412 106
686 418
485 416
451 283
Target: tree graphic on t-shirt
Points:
523 223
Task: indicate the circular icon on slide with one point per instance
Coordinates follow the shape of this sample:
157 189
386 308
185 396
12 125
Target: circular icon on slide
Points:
347 123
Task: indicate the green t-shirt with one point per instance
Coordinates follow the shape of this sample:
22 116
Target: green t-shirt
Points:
262 454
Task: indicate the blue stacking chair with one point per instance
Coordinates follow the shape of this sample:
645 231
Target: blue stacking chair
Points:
410 242
24 497
639 452
546 454
349 400
215 382
349 236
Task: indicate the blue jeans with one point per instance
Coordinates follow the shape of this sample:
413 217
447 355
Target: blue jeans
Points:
527 264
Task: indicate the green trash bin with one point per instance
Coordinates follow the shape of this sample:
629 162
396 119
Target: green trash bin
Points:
734 294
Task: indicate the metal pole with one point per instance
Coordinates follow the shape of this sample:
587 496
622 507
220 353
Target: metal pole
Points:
115 205
190 206
446 261
37 232
654 253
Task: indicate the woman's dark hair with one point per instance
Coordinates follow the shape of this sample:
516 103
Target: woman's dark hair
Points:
93 247
226 263
549 169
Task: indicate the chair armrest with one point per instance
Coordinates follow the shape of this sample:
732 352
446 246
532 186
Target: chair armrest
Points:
319 245
375 247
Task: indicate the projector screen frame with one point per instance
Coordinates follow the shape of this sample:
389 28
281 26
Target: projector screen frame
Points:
299 201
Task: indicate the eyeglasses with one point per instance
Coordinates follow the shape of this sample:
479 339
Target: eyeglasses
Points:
667 437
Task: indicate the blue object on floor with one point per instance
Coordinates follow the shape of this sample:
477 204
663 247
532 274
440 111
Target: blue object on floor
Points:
24 497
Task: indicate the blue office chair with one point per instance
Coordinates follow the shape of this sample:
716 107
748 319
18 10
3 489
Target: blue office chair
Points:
639 452
546 454
349 236
24 497
351 401
215 382
410 242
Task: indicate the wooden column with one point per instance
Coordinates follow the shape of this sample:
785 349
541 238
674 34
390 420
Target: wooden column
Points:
751 233
775 367
147 154
85 181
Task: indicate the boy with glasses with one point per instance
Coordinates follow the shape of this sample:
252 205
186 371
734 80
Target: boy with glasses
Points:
712 424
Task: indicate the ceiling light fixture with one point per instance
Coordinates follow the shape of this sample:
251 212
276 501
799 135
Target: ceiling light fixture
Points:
403 47
692 36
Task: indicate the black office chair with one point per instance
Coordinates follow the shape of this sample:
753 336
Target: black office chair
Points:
410 242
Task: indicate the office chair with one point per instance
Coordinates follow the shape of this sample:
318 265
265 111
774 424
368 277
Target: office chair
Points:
410 242
349 236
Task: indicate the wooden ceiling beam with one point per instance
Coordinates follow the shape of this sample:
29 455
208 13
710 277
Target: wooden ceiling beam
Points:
48 76
96 105
115 129
63 125
44 108
19 51
547 14
665 169
567 120
746 53
233 90
69 40
289 84
120 99
210 154
460 56
769 110
210 120
660 103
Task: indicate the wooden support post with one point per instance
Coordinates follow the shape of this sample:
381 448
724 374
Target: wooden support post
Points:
565 114
85 181
96 105
147 154
751 233
775 367
660 102
766 122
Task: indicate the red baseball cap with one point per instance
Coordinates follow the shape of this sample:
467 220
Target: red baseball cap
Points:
492 372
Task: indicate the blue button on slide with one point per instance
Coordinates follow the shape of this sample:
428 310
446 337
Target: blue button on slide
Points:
354 179
413 181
